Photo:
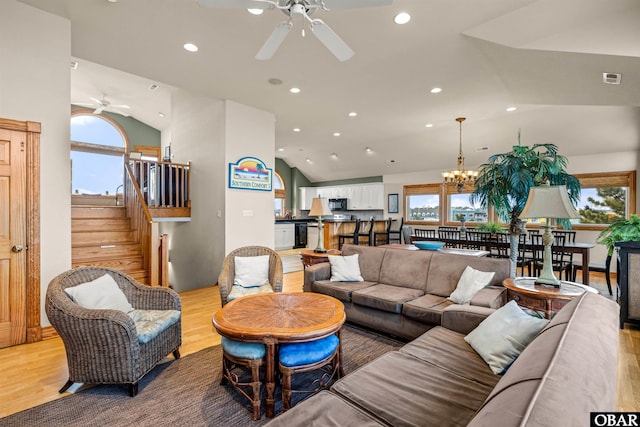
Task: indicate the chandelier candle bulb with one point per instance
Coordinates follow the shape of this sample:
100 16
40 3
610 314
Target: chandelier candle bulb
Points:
460 176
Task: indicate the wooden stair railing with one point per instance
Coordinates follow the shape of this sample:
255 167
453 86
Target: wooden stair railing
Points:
146 231
164 187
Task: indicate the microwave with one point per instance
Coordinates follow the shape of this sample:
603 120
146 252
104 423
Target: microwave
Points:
338 204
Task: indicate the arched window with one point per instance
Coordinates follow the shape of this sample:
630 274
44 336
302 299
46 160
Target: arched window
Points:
280 196
98 145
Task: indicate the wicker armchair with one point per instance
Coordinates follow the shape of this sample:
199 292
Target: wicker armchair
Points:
102 345
227 275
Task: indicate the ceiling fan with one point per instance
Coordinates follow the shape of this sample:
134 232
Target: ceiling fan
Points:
101 105
303 9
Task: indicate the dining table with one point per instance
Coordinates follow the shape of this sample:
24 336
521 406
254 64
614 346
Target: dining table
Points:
580 248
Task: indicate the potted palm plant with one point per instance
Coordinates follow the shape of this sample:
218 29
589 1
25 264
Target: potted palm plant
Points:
505 179
622 230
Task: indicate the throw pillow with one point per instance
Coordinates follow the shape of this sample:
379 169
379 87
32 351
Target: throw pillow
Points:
502 336
345 268
251 271
469 284
101 293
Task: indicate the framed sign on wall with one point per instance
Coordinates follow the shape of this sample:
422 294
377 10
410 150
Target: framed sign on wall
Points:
392 203
250 173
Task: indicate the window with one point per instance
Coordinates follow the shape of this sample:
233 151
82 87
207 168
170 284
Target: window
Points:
459 206
422 204
280 196
605 198
98 145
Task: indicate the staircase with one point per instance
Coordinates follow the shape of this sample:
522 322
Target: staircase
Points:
102 236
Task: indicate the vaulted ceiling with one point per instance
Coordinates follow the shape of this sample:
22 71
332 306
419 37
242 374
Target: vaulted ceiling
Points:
546 57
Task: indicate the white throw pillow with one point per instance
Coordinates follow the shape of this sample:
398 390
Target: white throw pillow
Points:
469 284
502 336
251 271
101 293
345 268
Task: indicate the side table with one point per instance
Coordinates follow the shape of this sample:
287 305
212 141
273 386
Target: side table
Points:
309 257
547 299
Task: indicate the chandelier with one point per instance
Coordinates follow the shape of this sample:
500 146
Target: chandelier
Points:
460 176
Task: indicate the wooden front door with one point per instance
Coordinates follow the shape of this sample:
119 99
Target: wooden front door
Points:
16 289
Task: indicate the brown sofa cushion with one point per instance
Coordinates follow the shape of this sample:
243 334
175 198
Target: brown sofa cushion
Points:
339 290
385 297
445 271
370 260
406 268
405 391
428 308
327 410
567 371
449 351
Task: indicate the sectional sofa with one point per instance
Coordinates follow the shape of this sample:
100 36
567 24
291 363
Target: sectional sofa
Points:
404 293
564 374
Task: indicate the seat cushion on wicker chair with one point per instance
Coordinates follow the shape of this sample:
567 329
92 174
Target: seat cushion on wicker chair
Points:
243 350
305 353
149 323
100 293
238 291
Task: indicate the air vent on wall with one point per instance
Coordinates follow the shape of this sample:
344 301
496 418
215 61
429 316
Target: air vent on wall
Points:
611 78
485 148
153 86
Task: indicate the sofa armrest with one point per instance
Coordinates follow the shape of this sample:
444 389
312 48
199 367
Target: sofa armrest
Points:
313 273
490 297
464 318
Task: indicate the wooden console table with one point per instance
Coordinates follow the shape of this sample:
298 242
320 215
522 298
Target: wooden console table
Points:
309 257
547 299
276 318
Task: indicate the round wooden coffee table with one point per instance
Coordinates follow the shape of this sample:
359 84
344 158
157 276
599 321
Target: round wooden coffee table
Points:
275 318
547 299
311 257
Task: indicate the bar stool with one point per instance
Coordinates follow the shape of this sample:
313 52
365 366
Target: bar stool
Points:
368 233
353 236
383 236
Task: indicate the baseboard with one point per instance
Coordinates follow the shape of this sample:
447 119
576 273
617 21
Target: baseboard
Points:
49 332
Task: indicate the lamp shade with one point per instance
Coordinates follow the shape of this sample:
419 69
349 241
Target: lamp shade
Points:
549 202
319 207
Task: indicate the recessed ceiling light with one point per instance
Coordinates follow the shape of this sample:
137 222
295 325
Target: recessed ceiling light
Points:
511 109
368 150
428 125
296 129
334 156
280 149
336 134
153 86
436 90
294 90
402 18
256 11
161 114
274 81
113 1
353 114
191 47
308 160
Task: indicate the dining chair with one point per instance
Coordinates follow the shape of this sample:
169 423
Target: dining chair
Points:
477 239
382 237
422 232
570 237
353 236
559 260
450 236
501 245
525 256
395 236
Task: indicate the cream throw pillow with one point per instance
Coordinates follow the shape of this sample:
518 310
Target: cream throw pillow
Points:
251 271
101 293
469 284
345 268
502 336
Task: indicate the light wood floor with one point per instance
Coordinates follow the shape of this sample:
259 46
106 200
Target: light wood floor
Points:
31 374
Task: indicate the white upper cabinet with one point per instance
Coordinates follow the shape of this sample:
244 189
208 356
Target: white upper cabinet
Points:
305 197
359 196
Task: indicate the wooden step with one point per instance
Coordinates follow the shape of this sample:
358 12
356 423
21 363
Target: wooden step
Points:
106 237
98 212
96 224
93 252
124 264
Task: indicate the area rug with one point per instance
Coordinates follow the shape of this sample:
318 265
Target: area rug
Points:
185 392
291 263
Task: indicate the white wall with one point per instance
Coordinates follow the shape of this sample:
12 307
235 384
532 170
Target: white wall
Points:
248 214
212 133
623 161
35 48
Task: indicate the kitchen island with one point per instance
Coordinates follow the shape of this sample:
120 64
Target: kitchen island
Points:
333 228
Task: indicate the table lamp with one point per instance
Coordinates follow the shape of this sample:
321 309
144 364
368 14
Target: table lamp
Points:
548 202
320 207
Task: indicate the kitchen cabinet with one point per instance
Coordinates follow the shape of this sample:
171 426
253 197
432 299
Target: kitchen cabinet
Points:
366 197
305 197
285 236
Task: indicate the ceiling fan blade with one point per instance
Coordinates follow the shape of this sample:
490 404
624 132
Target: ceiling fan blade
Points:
274 41
351 4
240 4
119 106
96 100
331 40
98 110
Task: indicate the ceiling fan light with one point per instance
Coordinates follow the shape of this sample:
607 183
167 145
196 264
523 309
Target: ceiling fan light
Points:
402 18
255 11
